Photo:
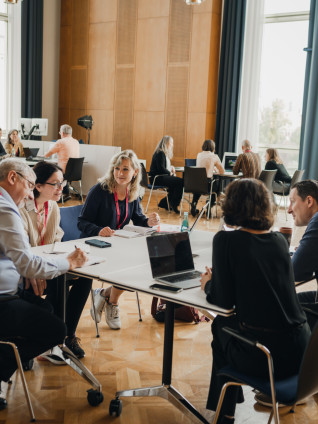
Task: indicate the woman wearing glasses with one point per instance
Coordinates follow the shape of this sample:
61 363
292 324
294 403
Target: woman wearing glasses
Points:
41 220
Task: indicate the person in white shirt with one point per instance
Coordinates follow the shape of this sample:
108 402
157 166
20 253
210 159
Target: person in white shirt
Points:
211 161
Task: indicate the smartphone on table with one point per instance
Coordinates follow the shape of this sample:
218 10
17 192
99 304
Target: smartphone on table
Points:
166 288
98 243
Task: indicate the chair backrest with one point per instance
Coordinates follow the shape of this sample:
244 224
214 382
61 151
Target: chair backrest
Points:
144 176
308 374
298 174
69 216
195 180
190 162
74 168
267 176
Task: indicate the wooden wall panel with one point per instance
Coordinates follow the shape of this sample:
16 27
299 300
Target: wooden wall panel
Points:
78 89
65 66
102 132
66 12
151 64
153 8
180 32
63 118
78 132
195 134
205 7
102 11
102 57
80 32
126 31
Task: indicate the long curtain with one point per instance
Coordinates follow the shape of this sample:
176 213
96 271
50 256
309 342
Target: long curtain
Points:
308 157
230 75
31 58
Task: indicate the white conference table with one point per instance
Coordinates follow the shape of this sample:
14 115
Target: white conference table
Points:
127 266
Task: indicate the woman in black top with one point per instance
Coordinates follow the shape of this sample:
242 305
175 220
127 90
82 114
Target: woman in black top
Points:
161 165
252 272
282 181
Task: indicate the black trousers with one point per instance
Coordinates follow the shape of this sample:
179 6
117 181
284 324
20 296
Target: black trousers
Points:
77 292
31 325
309 299
216 189
286 347
175 187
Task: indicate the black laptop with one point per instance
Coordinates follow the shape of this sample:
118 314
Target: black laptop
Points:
31 153
171 260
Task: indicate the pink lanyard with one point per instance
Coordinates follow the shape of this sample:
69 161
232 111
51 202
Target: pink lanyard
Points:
118 211
42 233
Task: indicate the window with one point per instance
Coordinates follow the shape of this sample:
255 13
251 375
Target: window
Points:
3 63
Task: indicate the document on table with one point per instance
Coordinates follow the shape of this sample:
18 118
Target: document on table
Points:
130 231
63 247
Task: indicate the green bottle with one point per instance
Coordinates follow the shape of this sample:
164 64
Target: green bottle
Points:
185 222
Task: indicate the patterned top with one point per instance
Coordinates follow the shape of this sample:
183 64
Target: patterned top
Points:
249 163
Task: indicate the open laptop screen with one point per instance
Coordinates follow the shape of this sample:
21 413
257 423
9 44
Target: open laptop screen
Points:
229 162
169 254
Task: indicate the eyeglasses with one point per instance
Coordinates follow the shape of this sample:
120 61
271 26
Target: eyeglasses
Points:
31 185
58 184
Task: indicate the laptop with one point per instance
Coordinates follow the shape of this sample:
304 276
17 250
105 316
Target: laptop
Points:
229 160
31 153
171 260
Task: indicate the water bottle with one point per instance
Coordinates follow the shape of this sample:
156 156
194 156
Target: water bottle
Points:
185 222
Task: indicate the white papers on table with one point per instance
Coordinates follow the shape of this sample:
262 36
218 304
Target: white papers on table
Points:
130 231
167 228
93 260
61 247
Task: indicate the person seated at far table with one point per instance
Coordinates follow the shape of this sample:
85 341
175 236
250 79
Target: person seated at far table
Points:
161 165
273 161
211 161
252 272
109 206
41 221
13 145
248 162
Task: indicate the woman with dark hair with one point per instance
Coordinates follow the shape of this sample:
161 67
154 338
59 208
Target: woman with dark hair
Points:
252 272
282 181
13 145
41 221
211 161
161 165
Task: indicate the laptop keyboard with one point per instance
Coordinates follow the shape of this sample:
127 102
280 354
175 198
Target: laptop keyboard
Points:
191 275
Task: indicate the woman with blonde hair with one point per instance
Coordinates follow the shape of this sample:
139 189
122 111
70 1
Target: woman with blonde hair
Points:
282 181
109 206
13 145
161 165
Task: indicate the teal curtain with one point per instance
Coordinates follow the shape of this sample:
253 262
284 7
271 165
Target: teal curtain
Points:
308 157
230 71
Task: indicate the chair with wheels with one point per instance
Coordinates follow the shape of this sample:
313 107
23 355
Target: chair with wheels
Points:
190 162
7 298
298 174
152 187
267 177
288 391
73 172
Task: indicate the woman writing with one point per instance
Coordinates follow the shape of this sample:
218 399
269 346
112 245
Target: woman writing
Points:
161 165
41 220
110 205
13 145
252 272
282 181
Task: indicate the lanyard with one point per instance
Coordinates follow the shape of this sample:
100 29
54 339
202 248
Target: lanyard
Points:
117 209
247 151
42 232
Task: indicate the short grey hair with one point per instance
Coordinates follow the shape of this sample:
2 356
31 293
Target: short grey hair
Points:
16 165
246 144
66 129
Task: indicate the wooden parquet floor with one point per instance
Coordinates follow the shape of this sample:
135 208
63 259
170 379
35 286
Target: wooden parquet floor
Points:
129 358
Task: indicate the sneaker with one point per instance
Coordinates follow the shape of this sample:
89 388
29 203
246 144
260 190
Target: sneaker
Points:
27 365
54 359
100 303
73 343
112 316
267 401
3 401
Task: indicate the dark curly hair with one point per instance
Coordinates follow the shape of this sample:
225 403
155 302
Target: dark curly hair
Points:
249 204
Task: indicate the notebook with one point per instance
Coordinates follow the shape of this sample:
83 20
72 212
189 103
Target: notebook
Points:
31 153
229 160
171 260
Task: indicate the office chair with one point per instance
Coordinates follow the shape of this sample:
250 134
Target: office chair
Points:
73 172
152 187
7 298
69 217
267 177
298 174
288 391
190 162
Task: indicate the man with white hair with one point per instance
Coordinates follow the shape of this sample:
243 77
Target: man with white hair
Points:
26 318
248 162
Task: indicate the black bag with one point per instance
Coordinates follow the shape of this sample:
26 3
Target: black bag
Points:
182 313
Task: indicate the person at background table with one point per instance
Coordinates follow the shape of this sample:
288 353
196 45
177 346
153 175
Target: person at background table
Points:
13 145
26 320
248 162
210 161
41 221
109 206
66 147
274 162
161 165
2 150
252 272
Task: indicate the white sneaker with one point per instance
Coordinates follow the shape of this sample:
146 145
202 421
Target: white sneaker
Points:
99 302
112 316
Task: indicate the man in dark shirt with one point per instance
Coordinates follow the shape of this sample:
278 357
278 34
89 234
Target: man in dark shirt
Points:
304 209
248 162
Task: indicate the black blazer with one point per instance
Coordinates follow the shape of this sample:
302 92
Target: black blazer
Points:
2 151
281 174
158 165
